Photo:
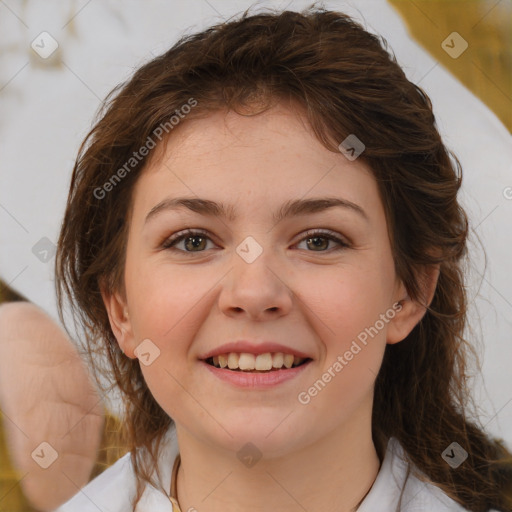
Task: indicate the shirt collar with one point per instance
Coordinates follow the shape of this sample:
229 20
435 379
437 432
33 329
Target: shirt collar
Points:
153 499
385 491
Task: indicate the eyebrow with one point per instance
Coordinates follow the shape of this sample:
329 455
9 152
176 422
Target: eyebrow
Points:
291 208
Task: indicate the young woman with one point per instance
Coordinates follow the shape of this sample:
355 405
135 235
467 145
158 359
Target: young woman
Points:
263 239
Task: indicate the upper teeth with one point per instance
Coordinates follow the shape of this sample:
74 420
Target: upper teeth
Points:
245 361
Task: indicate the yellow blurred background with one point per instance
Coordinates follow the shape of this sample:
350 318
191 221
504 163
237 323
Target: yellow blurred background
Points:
485 67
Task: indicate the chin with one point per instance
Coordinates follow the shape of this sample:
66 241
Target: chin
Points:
267 432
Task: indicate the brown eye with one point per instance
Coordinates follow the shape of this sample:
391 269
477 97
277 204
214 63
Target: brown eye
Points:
318 241
194 241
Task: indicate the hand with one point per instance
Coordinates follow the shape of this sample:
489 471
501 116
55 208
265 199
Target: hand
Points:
46 394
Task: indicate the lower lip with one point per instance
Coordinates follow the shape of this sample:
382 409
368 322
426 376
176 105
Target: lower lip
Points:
255 380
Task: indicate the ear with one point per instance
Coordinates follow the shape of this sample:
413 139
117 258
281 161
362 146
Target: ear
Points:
117 309
410 312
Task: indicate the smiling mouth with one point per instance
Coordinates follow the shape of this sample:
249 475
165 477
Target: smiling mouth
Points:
263 363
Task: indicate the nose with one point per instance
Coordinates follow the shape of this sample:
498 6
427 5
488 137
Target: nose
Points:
256 288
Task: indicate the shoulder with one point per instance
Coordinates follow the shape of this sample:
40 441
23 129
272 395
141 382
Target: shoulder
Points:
114 489
418 495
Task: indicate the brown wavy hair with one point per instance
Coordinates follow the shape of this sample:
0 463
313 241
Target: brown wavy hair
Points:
347 81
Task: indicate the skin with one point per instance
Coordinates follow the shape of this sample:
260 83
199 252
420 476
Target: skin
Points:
319 456
46 395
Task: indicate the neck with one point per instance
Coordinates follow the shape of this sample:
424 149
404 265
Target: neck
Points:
333 474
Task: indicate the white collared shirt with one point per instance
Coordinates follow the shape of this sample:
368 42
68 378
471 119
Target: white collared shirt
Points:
112 490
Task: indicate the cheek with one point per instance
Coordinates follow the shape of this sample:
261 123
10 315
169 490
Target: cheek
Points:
164 298
166 306
349 300
347 307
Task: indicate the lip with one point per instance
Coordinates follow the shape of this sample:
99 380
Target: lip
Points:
256 380
247 347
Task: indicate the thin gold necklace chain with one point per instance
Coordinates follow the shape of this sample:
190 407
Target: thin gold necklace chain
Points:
174 485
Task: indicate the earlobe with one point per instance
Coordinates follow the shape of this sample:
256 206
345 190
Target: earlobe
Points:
412 311
120 323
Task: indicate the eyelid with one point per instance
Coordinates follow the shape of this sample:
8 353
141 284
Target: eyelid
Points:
342 241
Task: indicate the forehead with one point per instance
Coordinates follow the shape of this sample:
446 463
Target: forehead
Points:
251 161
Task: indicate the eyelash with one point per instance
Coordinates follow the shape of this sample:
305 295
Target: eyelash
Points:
327 234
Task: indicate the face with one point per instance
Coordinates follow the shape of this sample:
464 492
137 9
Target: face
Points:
314 281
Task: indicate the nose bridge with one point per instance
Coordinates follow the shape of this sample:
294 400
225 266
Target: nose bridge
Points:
250 250
254 260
